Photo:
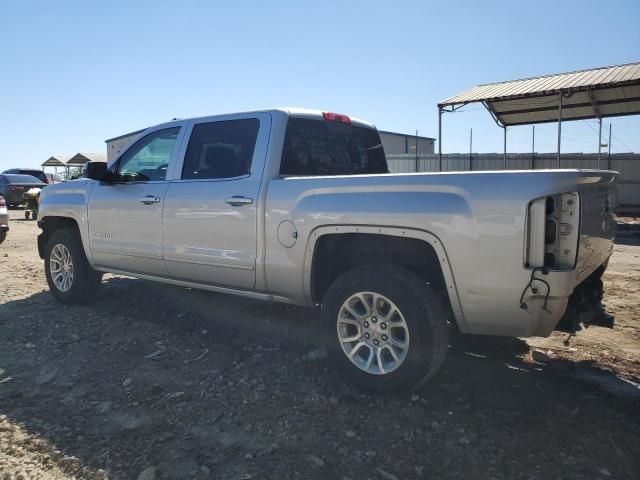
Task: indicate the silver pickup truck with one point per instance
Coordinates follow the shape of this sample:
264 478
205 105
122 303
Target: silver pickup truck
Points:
297 206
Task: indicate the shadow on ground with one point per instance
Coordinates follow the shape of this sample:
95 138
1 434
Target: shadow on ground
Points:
201 385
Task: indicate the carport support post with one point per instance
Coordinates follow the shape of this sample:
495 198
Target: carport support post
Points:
533 146
416 150
504 152
609 155
559 128
599 140
439 139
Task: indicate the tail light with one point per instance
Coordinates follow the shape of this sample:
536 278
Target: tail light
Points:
3 202
552 232
336 117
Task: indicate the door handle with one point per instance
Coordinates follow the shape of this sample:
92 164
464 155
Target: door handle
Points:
150 199
239 200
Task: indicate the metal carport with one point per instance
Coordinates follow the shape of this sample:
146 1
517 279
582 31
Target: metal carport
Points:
596 93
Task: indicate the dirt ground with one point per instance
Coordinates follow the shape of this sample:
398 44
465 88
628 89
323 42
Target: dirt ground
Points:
153 381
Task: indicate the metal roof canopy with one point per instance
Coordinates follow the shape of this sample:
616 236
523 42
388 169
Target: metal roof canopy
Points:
55 161
81 158
596 93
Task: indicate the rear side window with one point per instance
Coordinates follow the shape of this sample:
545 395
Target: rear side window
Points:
319 147
221 149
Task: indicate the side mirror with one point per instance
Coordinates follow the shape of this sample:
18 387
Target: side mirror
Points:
96 171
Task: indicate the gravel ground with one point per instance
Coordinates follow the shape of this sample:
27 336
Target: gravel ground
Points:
153 381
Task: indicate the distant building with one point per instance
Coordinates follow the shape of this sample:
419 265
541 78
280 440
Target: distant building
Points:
394 143
116 144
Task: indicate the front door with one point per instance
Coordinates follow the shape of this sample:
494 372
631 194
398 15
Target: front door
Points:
125 216
211 208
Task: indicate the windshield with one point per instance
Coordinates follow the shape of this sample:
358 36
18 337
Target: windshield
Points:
320 147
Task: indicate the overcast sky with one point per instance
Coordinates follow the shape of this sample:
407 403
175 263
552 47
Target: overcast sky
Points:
73 73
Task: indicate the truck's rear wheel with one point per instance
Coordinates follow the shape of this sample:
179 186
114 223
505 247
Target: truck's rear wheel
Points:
69 275
389 330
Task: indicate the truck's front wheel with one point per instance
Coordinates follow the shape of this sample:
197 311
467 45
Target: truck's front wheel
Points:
69 275
388 327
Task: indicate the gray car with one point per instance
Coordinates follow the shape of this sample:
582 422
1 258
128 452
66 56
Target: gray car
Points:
34 172
13 187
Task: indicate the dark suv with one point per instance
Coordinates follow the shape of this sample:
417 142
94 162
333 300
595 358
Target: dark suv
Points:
13 187
39 174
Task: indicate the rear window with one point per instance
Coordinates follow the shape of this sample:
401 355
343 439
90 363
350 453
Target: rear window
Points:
319 147
11 178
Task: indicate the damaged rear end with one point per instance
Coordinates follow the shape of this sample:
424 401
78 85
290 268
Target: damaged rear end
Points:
574 232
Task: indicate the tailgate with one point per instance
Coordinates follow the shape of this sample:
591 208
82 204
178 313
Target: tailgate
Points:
597 222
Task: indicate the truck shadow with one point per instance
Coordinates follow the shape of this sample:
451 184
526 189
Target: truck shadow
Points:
157 375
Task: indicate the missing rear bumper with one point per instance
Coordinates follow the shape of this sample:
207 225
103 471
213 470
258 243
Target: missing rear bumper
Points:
585 306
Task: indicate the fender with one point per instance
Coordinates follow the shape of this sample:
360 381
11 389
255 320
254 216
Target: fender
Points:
422 235
68 200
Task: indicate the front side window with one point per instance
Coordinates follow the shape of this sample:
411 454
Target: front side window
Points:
148 159
221 149
319 147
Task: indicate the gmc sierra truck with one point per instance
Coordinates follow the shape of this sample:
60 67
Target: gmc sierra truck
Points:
298 206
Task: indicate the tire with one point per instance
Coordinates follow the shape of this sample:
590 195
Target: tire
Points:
83 285
424 332
3 236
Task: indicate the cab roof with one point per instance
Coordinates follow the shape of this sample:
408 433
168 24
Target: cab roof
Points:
296 112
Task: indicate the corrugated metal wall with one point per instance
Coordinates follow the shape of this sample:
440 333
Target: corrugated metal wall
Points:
628 164
400 143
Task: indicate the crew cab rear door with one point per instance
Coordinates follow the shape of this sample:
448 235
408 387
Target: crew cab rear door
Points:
211 208
125 216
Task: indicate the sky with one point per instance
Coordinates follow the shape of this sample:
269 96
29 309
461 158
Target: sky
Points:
74 73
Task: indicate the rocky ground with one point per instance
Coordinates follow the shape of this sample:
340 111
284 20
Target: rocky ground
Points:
154 381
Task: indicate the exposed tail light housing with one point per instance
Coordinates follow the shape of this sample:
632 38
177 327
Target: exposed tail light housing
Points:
336 117
552 232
